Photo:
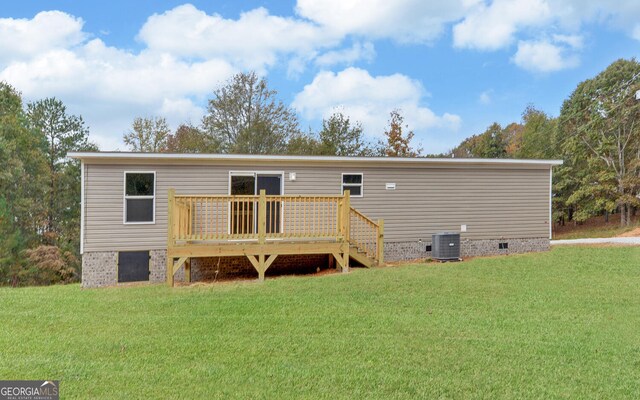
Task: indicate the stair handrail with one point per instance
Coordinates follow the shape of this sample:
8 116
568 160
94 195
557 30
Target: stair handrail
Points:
367 235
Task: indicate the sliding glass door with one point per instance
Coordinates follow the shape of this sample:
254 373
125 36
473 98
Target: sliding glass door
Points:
242 219
272 184
244 214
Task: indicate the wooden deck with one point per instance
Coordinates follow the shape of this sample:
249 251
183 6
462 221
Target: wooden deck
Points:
263 227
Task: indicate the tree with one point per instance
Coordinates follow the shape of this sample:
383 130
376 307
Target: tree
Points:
493 142
50 264
339 137
244 116
12 244
467 148
62 133
537 137
601 122
511 134
24 169
303 144
22 179
148 135
396 143
190 139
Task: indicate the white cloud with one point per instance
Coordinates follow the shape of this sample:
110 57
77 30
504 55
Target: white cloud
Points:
573 41
254 40
490 27
636 32
478 24
186 53
619 14
370 99
359 51
22 38
496 24
543 56
109 86
412 21
485 97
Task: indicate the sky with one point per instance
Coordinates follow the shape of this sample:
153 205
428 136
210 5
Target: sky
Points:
452 67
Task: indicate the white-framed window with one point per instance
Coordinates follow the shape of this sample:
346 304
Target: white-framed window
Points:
353 182
139 206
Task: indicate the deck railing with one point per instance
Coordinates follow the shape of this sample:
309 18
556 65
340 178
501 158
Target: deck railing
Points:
264 217
366 234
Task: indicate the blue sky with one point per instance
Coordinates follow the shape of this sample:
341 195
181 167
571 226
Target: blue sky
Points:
453 67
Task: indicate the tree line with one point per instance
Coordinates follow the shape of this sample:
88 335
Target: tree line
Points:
245 116
40 196
597 134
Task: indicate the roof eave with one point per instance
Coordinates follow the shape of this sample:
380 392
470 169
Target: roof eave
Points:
126 156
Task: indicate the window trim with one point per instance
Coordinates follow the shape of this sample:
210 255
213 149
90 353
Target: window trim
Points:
361 184
125 198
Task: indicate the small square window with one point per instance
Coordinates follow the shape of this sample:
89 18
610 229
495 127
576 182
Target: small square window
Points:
352 178
352 183
140 184
139 197
503 246
139 210
353 190
428 248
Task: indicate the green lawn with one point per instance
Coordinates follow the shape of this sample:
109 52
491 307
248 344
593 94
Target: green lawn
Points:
563 324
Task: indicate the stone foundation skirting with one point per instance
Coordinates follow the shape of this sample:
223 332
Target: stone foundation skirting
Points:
402 251
100 268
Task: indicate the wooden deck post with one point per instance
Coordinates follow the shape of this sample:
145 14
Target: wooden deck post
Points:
346 229
262 217
345 256
260 264
262 269
170 235
380 242
339 218
346 211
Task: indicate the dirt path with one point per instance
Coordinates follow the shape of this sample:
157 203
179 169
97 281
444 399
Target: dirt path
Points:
631 233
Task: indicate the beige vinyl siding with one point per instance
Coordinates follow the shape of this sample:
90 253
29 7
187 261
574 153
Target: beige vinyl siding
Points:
493 201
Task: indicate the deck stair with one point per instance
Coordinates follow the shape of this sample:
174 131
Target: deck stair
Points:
361 257
365 239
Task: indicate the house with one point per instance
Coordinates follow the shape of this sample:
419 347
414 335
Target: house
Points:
166 217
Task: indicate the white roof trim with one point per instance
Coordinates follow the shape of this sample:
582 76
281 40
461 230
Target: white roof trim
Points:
116 155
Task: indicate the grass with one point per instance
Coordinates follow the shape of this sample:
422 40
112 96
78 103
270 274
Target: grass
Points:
563 324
